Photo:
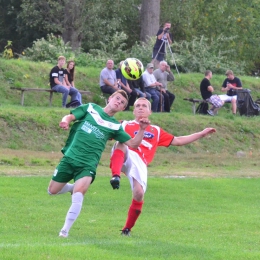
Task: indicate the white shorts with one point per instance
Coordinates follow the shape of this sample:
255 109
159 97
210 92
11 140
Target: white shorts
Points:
135 168
226 98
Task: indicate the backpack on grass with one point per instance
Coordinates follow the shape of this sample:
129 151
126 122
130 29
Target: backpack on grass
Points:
245 104
74 103
202 108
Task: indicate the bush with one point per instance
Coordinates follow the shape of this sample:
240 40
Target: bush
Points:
112 48
197 55
48 50
143 51
202 53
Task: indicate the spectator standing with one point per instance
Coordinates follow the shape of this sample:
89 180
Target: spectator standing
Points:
163 35
69 77
108 82
151 84
230 85
163 75
57 82
123 84
207 90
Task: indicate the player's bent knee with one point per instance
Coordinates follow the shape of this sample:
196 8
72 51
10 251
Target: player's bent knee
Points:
51 192
48 191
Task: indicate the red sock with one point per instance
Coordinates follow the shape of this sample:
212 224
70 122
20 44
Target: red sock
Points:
116 162
133 213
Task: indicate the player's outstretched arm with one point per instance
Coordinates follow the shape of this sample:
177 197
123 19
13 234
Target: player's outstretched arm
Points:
66 120
187 139
136 141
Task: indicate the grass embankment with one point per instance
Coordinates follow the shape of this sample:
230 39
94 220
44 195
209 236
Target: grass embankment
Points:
34 127
35 131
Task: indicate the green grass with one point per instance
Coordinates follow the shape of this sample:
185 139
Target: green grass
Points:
182 218
36 128
202 199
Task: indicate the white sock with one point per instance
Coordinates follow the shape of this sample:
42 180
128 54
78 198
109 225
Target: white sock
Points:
74 210
67 188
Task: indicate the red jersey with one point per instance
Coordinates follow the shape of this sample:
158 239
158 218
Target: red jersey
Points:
154 136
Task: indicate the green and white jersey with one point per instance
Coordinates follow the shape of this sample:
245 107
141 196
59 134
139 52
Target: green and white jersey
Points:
89 134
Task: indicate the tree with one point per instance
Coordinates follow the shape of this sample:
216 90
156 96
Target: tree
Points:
74 20
61 17
150 18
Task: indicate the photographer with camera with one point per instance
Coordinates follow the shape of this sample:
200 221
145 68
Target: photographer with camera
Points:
163 35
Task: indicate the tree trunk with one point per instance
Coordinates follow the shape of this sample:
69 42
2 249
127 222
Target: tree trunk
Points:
150 19
73 21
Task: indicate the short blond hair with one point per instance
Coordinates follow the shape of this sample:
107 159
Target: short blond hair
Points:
143 98
61 58
229 72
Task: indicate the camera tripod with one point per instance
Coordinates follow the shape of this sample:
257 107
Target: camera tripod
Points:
165 41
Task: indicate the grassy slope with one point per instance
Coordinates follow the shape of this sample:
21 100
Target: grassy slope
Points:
34 126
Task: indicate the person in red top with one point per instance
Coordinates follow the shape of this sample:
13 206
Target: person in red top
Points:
133 162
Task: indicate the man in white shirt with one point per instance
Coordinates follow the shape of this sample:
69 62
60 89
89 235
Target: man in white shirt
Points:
151 84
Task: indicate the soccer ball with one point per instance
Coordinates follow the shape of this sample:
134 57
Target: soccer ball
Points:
132 68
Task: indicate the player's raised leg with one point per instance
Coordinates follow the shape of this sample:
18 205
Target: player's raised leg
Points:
61 176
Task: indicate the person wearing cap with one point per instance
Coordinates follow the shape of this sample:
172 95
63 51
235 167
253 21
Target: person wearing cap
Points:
151 85
230 85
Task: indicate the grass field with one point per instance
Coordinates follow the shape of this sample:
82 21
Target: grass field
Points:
202 200
183 218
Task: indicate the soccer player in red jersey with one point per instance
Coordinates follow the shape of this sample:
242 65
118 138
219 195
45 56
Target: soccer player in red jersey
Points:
133 162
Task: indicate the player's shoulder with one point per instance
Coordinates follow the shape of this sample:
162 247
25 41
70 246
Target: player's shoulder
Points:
104 70
125 123
158 128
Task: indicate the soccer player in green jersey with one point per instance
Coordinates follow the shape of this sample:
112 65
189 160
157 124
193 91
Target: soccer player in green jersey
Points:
87 139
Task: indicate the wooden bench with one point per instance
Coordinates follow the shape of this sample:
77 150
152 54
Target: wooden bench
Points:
23 90
196 100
